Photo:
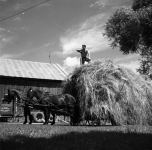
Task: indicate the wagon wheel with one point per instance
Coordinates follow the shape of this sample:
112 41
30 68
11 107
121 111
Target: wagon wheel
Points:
38 117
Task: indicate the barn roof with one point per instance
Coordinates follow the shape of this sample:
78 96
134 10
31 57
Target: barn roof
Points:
29 69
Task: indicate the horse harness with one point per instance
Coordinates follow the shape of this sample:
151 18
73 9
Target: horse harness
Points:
63 96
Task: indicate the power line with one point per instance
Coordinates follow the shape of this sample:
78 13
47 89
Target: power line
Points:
23 11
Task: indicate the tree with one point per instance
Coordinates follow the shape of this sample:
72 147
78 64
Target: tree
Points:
131 30
137 4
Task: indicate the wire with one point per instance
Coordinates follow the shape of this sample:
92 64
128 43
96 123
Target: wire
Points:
24 11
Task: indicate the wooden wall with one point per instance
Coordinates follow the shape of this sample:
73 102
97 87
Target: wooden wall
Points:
53 86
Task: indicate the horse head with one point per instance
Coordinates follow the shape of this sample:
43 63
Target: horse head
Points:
30 93
5 99
34 93
13 94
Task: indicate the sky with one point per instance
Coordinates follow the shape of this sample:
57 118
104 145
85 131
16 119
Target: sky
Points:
54 30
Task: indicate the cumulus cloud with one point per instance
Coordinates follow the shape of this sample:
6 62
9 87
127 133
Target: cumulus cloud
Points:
89 33
70 63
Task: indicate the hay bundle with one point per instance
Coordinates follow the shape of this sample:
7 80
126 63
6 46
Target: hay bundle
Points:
126 96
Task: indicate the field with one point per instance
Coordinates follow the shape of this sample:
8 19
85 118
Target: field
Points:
45 137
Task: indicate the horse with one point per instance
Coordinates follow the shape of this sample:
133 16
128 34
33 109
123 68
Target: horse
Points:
14 94
63 104
20 95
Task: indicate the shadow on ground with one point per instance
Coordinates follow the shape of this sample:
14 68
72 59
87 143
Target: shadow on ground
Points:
93 140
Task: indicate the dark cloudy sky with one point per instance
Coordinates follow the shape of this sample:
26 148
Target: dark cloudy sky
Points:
57 28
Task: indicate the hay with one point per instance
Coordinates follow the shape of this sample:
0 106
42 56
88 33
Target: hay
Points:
126 96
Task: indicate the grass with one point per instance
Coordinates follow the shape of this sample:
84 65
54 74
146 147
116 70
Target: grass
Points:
64 137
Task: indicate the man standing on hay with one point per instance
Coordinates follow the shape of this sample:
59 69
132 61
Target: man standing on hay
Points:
85 55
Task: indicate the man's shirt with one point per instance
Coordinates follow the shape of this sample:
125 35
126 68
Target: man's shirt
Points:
84 53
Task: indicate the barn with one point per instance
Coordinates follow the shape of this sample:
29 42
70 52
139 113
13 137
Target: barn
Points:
18 74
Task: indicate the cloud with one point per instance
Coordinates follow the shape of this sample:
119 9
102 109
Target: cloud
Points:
129 61
89 33
71 62
5 56
42 48
126 58
44 5
4 39
58 53
98 3
102 3
2 29
133 65
17 18
17 6
16 55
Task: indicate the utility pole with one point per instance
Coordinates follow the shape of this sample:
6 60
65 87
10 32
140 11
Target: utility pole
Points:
49 57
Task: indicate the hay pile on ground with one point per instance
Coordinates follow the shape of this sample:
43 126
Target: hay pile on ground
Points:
103 84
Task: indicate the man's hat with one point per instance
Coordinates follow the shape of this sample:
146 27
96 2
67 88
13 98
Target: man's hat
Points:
83 45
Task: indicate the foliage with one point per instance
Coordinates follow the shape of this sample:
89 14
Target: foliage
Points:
130 29
137 4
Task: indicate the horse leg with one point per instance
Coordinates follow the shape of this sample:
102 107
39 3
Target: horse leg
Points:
72 121
30 116
70 110
25 115
27 112
46 115
53 122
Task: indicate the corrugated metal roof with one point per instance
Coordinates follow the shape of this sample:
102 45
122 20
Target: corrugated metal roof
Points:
29 69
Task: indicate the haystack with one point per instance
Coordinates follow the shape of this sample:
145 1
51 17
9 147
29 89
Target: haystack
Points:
125 95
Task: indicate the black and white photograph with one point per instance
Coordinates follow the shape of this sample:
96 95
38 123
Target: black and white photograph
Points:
75 74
